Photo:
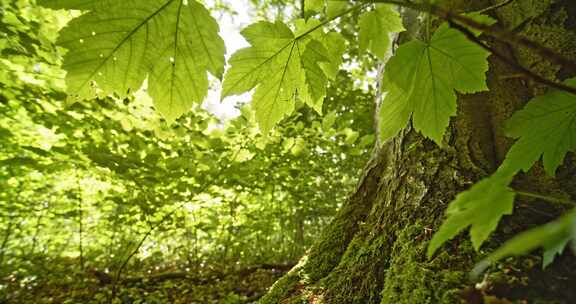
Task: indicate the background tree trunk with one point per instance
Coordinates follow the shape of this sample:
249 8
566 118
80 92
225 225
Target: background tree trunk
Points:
374 249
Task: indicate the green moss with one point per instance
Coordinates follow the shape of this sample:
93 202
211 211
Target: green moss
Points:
358 276
334 241
300 284
411 278
517 12
326 254
281 290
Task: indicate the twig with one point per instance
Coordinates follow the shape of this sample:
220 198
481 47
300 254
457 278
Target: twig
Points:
139 245
357 7
499 34
509 37
551 199
80 216
495 6
520 68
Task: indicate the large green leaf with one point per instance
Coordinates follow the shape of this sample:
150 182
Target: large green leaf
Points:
116 45
335 7
315 78
282 66
479 208
553 237
396 112
375 28
428 76
335 45
314 5
545 127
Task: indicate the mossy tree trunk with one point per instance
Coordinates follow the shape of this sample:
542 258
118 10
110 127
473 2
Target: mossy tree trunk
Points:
374 249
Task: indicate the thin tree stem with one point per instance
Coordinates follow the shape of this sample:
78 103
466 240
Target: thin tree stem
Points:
323 23
495 6
7 235
547 198
80 216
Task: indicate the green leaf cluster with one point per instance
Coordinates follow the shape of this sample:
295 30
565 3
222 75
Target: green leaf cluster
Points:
375 28
422 79
545 129
284 67
552 237
116 45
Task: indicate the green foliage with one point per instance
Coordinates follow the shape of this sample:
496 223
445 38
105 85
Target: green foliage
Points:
376 27
314 5
283 67
117 44
84 183
554 136
88 181
423 78
480 207
553 237
68 4
553 113
335 7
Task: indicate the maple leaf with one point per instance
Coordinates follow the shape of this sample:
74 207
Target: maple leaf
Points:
117 44
283 66
375 28
553 237
479 208
335 46
428 74
546 128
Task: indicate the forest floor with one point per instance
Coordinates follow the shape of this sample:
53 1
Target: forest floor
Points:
222 285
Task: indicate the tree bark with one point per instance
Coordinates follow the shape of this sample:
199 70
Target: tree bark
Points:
374 249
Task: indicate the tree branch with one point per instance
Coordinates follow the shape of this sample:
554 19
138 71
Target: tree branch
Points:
495 6
498 33
550 199
323 23
518 67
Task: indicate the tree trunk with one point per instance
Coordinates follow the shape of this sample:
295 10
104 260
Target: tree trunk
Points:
374 249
